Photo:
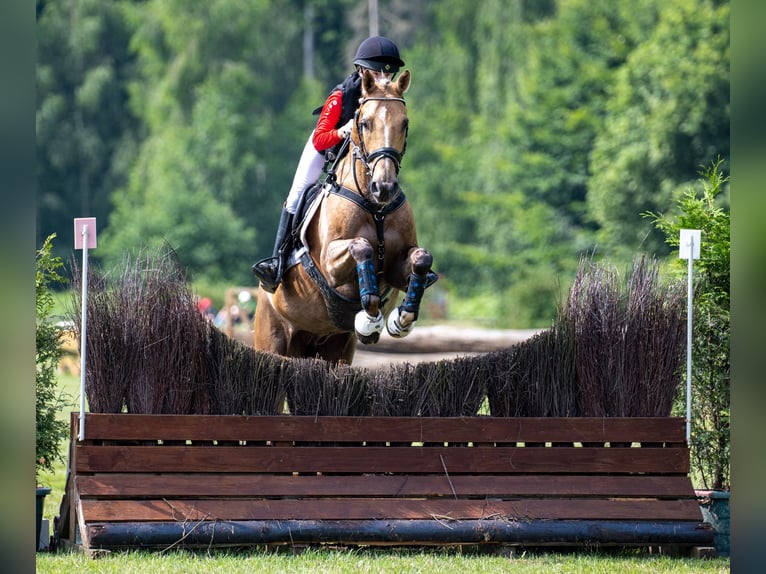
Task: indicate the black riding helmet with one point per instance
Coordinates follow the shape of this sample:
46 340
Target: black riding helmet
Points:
378 53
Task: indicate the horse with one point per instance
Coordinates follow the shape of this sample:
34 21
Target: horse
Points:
358 245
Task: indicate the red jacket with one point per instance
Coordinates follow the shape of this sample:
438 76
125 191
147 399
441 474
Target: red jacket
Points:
325 134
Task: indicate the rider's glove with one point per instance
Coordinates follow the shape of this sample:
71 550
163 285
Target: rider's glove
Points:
345 129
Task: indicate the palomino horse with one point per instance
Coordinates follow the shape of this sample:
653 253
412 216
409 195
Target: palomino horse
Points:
359 246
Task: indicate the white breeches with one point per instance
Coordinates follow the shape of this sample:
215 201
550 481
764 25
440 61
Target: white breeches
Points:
306 174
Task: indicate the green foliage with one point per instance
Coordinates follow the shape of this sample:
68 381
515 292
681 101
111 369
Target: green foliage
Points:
86 135
212 78
667 114
164 206
539 131
711 380
48 399
570 62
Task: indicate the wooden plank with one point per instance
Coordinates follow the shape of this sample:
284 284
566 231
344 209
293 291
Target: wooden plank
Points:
365 509
288 428
469 460
248 485
79 513
67 524
495 482
73 494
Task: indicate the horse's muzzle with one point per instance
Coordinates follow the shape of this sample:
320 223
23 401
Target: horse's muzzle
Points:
382 192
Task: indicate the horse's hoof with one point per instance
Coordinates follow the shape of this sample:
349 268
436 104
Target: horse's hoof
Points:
369 340
367 327
394 324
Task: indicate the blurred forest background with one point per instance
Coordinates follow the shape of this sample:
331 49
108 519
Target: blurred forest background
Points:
541 130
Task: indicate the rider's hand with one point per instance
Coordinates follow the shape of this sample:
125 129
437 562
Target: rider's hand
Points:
345 129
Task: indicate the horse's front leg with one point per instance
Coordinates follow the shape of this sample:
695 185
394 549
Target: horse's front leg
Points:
368 323
402 319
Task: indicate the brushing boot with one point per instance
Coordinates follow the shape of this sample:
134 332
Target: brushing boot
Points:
269 271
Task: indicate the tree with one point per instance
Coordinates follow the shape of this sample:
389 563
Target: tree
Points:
539 130
211 240
86 133
531 169
510 124
437 169
711 377
214 77
668 113
569 62
50 431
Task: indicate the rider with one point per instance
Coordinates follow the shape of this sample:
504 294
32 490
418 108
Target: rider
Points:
381 56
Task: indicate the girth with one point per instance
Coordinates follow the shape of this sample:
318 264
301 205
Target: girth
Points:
340 309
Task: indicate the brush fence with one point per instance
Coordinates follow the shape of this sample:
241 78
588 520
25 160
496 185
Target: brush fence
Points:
160 481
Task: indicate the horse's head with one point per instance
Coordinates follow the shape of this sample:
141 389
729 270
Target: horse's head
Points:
380 134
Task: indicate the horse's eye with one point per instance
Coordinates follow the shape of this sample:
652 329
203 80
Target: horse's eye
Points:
364 124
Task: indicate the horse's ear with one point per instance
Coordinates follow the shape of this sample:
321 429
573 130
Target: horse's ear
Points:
404 81
368 81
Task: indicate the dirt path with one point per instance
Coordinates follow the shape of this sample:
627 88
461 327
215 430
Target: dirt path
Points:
437 342
429 343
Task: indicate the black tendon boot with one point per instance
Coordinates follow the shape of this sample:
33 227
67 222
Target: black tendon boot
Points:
269 271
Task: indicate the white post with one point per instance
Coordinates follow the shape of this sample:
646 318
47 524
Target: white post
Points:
689 350
83 329
689 248
84 238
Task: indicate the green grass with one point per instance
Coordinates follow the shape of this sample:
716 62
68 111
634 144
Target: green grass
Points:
357 561
63 302
339 561
56 480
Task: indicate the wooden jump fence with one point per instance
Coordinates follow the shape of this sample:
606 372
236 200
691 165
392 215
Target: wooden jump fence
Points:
160 481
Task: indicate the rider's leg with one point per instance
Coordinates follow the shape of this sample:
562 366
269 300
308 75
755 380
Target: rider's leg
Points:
269 271
306 174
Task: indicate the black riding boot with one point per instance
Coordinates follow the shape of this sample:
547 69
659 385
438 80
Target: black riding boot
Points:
269 271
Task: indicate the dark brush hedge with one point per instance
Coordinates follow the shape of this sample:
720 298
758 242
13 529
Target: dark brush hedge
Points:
615 349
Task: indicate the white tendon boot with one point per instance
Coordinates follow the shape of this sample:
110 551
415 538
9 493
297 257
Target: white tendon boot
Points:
394 323
368 328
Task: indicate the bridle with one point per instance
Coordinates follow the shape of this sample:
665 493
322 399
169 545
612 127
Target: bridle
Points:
370 159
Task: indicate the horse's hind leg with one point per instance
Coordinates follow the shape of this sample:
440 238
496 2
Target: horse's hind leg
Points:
402 319
269 334
338 349
368 323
